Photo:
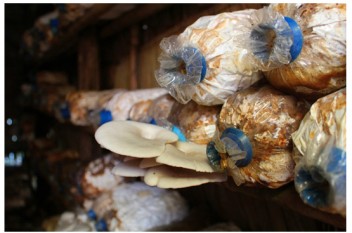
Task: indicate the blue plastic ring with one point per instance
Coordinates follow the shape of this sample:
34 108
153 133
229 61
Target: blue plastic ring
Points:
178 132
91 214
196 55
242 142
315 193
105 116
65 112
297 44
101 225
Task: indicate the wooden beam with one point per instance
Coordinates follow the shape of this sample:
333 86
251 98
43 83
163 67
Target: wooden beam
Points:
69 38
134 57
141 12
88 62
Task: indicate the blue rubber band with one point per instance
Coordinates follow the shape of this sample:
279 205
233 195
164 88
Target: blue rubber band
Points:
105 116
178 132
242 142
297 44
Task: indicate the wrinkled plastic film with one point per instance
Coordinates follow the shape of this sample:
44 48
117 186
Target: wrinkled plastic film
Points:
198 123
320 68
267 118
268 38
320 174
212 66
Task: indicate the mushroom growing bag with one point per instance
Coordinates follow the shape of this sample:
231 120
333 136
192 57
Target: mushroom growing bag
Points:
320 174
204 63
82 103
138 207
253 138
302 47
196 122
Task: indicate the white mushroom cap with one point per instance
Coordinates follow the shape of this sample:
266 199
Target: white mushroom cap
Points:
149 162
134 139
129 169
186 155
171 177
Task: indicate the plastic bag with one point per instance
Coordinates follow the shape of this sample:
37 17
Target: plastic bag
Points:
196 122
301 46
320 175
97 177
139 111
152 110
119 107
81 103
204 63
138 207
253 137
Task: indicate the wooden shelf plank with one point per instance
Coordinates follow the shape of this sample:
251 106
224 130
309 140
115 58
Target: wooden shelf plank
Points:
131 17
62 43
288 197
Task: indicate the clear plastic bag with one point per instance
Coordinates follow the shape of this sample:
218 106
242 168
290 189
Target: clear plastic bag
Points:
197 122
304 49
120 105
138 207
204 63
253 138
97 177
320 174
82 103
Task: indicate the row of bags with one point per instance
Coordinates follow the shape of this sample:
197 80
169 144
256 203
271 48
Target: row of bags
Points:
264 136
299 48
114 203
39 38
259 137
260 116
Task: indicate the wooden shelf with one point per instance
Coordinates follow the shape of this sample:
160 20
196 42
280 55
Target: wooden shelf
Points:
64 42
288 197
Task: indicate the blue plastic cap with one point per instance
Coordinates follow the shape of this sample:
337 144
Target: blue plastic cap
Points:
242 142
91 214
297 44
65 112
181 136
101 225
105 116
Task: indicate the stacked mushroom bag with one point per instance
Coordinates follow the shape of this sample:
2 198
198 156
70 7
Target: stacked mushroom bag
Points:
204 63
302 47
98 178
120 105
156 154
74 221
253 142
82 103
320 174
138 207
196 122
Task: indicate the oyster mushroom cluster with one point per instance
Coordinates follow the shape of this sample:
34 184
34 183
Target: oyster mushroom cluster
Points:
156 155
